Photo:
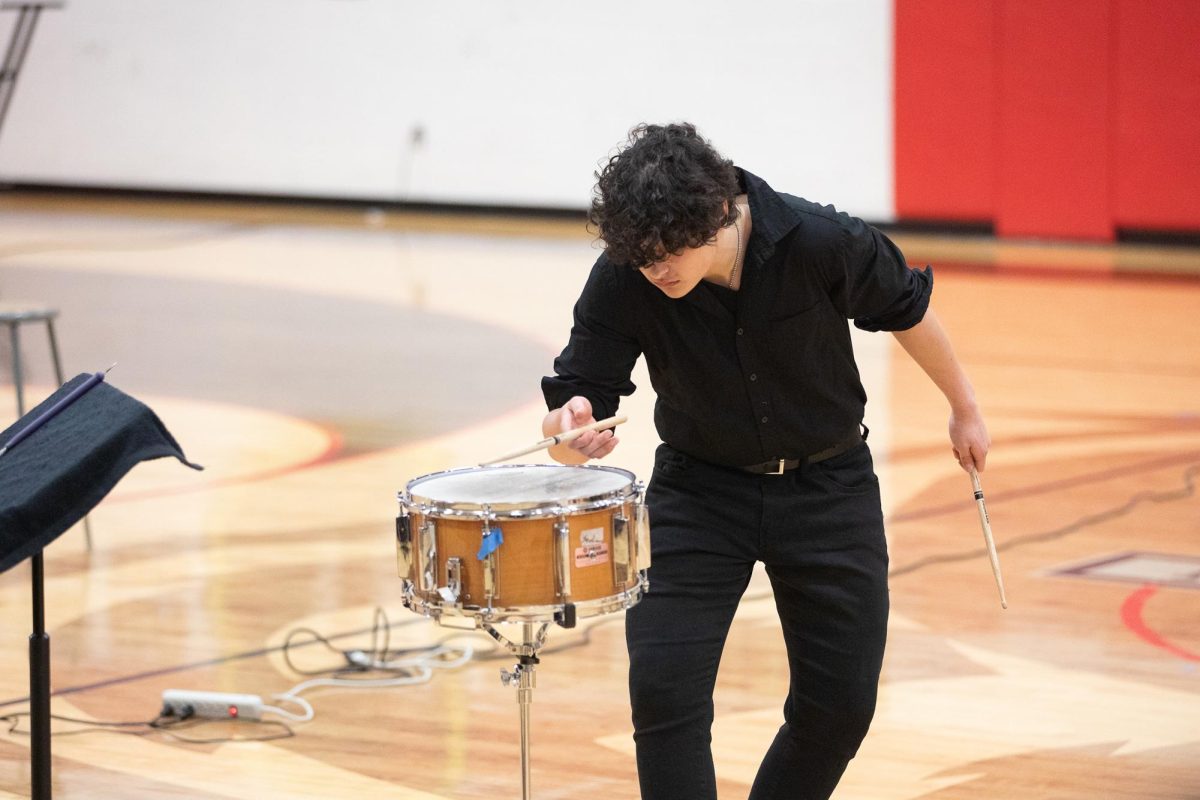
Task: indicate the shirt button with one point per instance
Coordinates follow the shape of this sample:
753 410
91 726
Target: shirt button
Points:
753 376
764 419
739 331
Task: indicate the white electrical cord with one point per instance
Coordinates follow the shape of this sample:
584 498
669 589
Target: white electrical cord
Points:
433 660
287 698
423 668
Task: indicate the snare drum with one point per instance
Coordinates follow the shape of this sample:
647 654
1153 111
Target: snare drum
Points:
523 543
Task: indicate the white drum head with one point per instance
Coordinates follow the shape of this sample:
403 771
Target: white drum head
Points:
547 488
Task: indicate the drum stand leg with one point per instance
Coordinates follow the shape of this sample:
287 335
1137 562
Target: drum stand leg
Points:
523 677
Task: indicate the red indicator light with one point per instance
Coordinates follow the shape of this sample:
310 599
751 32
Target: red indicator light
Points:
233 711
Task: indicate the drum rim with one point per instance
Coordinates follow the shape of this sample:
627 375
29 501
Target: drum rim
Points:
547 612
519 510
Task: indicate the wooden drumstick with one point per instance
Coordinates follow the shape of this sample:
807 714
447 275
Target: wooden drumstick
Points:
561 438
987 536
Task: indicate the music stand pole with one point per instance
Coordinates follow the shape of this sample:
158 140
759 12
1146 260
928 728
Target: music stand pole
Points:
39 689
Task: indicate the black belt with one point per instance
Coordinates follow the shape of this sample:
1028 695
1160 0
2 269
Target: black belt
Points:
782 465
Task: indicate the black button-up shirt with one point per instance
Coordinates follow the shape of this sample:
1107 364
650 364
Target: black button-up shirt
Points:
763 373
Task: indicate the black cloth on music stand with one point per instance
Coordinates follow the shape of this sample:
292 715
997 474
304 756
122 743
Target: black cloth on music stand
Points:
49 481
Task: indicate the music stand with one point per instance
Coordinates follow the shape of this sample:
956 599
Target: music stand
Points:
48 482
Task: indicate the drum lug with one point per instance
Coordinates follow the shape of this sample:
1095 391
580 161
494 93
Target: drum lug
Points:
491 563
428 550
404 551
453 588
562 547
642 523
491 579
620 537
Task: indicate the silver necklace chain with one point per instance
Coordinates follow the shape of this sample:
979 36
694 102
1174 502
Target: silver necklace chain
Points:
736 256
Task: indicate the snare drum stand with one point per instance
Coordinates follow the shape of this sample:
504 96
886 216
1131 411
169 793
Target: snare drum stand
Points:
523 677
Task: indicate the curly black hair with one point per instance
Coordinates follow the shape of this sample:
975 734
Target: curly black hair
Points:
667 190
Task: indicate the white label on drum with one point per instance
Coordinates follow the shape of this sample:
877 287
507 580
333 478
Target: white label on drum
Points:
593 549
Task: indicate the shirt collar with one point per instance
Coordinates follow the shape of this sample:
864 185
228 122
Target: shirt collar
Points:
772 217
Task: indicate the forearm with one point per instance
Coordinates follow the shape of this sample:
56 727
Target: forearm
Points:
927 344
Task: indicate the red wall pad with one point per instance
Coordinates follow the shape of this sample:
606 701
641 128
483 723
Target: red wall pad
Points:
1053 164
1156 132
945 109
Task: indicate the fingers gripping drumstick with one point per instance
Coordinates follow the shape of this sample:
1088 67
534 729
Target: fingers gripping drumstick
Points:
987 536
562 438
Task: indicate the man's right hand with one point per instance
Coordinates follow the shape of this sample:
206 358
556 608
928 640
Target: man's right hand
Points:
575 414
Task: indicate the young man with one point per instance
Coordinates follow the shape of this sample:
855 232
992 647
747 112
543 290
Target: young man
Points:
739 298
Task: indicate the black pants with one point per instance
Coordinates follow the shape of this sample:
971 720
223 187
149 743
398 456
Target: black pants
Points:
819 531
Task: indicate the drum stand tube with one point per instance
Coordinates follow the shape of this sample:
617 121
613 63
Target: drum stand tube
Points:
523 677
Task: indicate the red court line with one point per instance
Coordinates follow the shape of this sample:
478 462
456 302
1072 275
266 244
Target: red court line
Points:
1131 615
333 446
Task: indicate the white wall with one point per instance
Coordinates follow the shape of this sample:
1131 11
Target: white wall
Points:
517 101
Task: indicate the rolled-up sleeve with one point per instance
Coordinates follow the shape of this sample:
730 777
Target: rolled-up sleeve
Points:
908 309
870 282
602 349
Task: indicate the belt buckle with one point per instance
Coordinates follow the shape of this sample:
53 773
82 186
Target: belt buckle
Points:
779 470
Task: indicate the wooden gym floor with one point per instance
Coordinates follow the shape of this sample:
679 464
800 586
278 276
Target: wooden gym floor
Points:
315 360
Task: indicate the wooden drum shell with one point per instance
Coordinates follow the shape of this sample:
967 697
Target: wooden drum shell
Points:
606 544
526 561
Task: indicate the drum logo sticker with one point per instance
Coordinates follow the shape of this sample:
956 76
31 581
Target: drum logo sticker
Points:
592 548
